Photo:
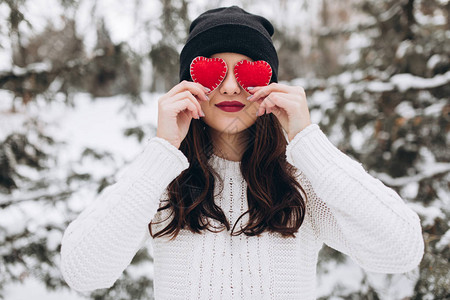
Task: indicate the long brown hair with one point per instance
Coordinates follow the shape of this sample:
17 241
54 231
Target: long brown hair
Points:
274 202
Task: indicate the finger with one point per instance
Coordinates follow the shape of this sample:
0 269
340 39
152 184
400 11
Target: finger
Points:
187 107
187 104
194 87
275 101
188 113
253 89
196 103
273 87
186 95
273 110
265 105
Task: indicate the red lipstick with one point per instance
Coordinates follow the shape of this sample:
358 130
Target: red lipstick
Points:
230 106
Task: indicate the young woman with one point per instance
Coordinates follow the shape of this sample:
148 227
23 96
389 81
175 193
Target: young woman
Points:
238 190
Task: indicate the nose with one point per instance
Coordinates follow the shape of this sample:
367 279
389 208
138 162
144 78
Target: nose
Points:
229 84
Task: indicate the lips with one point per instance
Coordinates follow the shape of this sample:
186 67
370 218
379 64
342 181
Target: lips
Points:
230 103
230 106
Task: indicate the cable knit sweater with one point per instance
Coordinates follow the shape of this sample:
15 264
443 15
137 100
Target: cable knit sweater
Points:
347 209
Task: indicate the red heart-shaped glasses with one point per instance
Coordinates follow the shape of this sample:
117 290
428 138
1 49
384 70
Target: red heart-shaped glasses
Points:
210 72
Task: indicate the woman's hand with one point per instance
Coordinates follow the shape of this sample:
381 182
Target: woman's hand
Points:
287 103
176 109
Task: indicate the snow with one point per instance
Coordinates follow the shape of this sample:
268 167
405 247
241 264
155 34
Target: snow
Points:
144 269
394 286
53 239
402 82
428 214
99 124
425 171
435 59
444 241
428 20
408 81
12 220
323 99
132 28
358 137
32 288
348 275
85 26
356 42
317 116
341 79
436 109
39 17
403 48
95 123
444 196
133 16
378 86
5 42
410 190
336 135
405 110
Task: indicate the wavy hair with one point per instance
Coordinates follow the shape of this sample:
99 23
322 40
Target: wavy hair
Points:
274 201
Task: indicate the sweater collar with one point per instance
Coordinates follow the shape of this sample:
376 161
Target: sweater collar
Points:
225 166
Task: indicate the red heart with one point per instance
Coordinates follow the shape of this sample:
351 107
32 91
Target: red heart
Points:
257 73
209 72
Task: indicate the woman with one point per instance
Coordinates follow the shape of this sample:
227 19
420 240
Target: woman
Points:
238 201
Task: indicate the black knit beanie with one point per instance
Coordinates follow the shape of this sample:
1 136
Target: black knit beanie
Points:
229 29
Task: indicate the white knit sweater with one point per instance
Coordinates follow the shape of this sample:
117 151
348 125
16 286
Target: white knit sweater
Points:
347 209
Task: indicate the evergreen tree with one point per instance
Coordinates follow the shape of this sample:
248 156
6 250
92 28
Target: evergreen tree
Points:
388 109
33 177
380 93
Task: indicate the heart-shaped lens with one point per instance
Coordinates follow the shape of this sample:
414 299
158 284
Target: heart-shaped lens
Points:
209 72
256 73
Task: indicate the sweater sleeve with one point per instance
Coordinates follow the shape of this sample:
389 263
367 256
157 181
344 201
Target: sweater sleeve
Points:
100 243
354 212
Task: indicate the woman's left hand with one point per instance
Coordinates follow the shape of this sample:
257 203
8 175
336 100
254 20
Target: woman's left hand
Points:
287 103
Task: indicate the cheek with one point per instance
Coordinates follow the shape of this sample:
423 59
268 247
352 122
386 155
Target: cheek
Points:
254 105
204 105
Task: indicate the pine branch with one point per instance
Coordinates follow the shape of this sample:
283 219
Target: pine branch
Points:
431 171
54 197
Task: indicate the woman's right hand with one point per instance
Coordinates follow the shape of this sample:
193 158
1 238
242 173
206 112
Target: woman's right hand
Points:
176 109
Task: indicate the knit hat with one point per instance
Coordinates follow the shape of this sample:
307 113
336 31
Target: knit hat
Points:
229 29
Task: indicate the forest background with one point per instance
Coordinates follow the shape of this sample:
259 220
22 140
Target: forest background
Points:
79 83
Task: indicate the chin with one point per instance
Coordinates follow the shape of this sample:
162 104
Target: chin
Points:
230 125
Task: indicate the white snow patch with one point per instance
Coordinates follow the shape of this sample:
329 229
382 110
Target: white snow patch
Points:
410 190
426 170
347 275
379 87
428 213
32 288
324 99
405 110
444 241
394 286
13 220
435 59
406 81
403 48
436 109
